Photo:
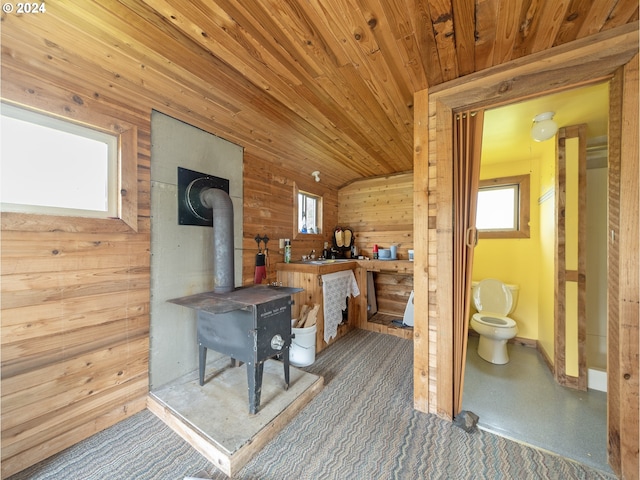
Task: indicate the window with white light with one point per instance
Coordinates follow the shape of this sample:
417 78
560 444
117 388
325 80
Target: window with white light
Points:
56 167
503 207
308 208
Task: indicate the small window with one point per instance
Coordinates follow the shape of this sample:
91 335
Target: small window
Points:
56 167
503 207
308 207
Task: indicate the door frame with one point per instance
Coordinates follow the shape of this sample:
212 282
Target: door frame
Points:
582 62
564 275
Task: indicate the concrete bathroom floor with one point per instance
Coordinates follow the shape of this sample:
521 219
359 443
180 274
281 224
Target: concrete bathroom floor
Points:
520 400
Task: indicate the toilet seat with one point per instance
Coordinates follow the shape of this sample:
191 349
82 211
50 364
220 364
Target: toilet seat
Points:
494 320
491 295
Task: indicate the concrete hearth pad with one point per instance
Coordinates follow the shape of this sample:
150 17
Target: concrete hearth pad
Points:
215 418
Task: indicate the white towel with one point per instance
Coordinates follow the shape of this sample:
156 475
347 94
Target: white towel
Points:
336 287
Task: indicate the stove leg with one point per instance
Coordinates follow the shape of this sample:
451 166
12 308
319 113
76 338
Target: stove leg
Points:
285 355
202 361
254 377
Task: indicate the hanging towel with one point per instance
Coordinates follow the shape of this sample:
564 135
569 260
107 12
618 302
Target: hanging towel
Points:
336 287
261 269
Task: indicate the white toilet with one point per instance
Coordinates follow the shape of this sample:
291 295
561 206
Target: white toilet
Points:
494 300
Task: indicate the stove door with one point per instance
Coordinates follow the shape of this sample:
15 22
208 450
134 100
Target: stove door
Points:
273 327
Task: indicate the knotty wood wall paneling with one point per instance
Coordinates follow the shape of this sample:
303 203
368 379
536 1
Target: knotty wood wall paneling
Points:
379 211
344 112
268 210
392 292
75 292
423 212
75 314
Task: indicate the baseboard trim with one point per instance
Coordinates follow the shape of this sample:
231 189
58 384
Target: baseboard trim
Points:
524 342
545 357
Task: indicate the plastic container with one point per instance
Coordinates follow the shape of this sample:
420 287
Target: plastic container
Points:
287 251
302 352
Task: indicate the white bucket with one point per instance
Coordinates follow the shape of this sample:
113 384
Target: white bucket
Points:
303 347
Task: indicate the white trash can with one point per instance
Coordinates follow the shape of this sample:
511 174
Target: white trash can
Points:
303 347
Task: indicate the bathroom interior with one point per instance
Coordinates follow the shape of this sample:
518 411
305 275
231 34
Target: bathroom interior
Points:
517 396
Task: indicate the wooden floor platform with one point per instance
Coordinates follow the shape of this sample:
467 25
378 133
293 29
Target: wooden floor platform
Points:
382 323
215 418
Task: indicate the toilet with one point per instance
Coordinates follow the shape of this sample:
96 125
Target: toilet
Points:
494 300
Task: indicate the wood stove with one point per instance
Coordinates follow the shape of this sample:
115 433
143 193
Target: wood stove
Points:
250 324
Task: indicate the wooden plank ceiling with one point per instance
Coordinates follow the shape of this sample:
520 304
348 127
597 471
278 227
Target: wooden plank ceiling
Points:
327 84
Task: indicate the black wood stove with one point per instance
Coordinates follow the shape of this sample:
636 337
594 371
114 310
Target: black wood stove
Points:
250 324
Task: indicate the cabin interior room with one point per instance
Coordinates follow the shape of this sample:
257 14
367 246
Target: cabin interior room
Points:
185 183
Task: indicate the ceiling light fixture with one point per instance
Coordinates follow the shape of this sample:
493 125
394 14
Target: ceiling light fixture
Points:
316 175
543 127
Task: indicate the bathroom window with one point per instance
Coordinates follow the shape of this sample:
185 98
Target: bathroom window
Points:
503 207
56 167
308 208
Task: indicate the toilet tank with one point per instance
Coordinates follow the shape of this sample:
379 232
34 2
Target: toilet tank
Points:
514 295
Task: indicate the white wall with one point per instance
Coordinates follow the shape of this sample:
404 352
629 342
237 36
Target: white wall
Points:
181 255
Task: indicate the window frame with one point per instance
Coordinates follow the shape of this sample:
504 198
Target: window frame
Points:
296 227
74 129
126 219
523 211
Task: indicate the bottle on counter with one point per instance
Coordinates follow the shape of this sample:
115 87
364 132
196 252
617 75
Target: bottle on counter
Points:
325 251
375 252
287 251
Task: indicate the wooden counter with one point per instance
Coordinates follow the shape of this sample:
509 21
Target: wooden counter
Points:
321 269
308 276
392 296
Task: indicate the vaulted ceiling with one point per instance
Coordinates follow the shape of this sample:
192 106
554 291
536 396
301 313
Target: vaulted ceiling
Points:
350 68
317 84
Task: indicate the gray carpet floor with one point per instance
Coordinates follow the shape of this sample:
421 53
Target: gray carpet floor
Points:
361 426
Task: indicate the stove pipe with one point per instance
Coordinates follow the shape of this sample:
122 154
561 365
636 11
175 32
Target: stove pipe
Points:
223 264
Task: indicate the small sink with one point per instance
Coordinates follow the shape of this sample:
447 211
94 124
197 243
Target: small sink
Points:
328 261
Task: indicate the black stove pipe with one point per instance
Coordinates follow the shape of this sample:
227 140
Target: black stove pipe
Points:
223 261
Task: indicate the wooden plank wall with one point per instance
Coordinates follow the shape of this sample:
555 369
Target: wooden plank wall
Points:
268 210
392 292
75 300
379 211
75 292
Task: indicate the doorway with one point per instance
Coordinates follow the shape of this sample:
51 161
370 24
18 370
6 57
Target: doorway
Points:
508 151
615 59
